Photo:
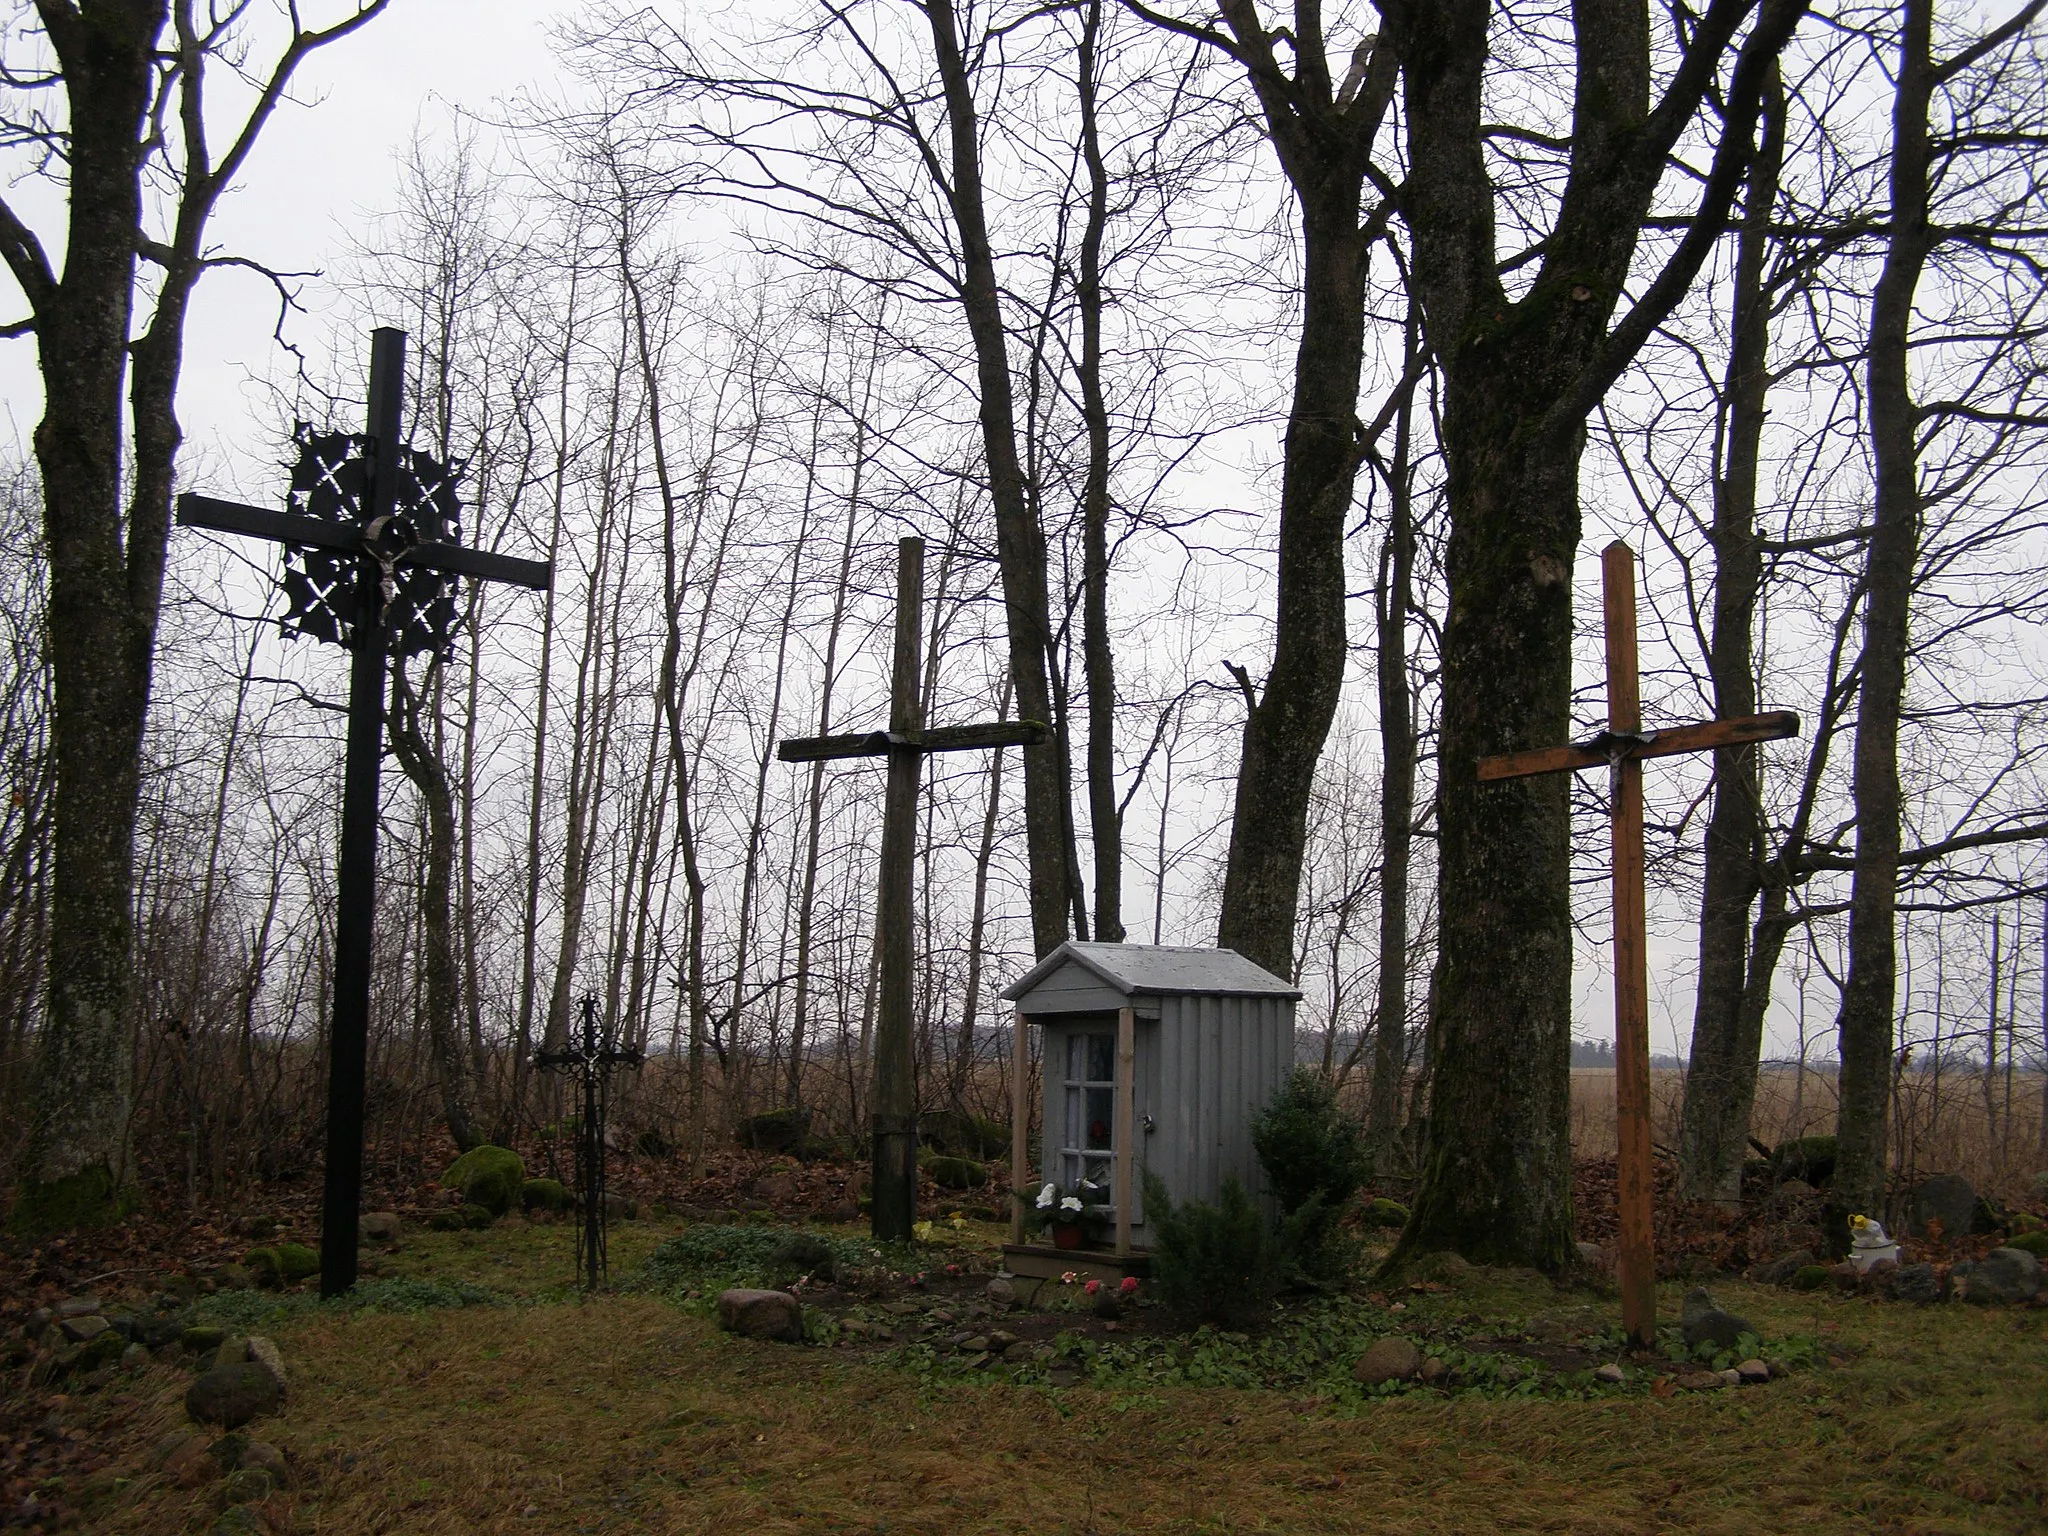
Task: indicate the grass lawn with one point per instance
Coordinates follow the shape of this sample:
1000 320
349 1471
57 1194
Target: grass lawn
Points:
631 1413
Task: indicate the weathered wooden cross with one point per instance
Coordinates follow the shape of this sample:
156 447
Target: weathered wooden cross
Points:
1621 749
370 553
892 1116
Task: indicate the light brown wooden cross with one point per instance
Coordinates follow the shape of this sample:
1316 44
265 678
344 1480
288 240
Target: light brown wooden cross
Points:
1621 748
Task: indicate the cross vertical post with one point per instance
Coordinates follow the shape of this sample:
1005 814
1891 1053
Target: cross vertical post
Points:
892 1099
356 894
893 1121
1622 749
1636 1259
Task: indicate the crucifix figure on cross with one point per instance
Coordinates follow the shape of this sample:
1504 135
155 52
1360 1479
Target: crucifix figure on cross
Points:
371 552
1621 749
892 1099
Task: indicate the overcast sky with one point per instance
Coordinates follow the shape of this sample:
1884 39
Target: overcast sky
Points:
321 168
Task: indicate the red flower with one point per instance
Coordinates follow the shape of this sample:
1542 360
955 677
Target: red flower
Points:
1130 1284
1092 1287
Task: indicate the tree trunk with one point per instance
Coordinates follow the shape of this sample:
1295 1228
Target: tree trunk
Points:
440 975
1020 541
1520 378
1720 1082
1869 993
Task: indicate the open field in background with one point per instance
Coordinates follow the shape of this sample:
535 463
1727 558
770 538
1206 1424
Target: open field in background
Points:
1941 1122
628 1414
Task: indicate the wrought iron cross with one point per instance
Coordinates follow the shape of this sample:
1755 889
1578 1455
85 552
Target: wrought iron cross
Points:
1621 749
593 1059
893 1115
371 552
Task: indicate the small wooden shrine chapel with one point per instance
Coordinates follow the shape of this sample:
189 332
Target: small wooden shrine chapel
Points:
1154 1057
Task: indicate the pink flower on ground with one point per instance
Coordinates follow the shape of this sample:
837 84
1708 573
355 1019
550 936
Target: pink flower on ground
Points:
1092 1287
1130 1284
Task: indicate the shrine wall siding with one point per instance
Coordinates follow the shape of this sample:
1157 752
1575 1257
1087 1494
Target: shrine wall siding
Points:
1214 1063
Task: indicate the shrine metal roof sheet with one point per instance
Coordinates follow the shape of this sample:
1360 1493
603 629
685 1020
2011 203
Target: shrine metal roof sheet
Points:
1159 969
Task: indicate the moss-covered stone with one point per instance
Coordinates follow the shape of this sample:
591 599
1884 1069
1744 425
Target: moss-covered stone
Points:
297 1262
265 1266
477 1217
1811 1158
491 1177
88 1198
548 1195
1809 1277
1386 1213
776 1130
957 1173
445 1221
2035 1242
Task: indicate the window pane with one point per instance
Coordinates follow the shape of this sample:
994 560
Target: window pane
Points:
1070 1133
1102 1058
1099 1112
1075 1046
1070 1171
1096 1171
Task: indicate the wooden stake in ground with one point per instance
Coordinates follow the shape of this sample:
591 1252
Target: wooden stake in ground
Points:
372 561
1621 749
892 1114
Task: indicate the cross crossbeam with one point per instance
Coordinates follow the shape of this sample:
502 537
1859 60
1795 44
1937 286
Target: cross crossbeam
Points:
210 512
1622 748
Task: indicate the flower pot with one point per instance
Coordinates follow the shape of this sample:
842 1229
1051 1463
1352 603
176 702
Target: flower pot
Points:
1066 1234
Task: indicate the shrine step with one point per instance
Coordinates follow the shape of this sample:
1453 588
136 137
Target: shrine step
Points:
1043 1261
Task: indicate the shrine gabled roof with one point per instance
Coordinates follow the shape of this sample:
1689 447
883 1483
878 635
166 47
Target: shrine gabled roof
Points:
1158 969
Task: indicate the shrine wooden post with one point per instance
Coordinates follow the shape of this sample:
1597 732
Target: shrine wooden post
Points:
892 1115
374 540
1621 749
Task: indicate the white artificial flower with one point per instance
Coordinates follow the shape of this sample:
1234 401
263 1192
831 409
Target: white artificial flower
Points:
1045 1197
1071 1203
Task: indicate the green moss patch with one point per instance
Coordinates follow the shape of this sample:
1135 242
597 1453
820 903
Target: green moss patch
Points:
491 1177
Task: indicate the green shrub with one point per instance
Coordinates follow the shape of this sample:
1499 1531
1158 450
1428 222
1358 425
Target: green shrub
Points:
1809 1277
1315 1160
800 1254
1216 1263
491 1177
477 1217
956 1172
550 1195
2035 1243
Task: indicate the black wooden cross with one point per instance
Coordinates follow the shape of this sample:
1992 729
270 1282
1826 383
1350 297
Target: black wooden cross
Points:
893 1100
1621 749
371 550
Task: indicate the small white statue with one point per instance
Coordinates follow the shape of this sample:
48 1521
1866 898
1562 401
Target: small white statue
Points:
1868 1245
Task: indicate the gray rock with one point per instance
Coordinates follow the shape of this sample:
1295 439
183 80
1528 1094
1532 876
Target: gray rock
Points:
1700 1381
1611 1374
1846 1276
239 1453
86 1304
1730 1377
1389 1359
233 1350
1917 1283
81 1330
1796 1189
761 1315
232 1395
1591 1257
379 1227
1702 1322
135 1357
1753 1371
2002 1277
1001 1292
975 1345
1001 1338
38 1320
1433 1371
1779 1367
1947 1198
265 1354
